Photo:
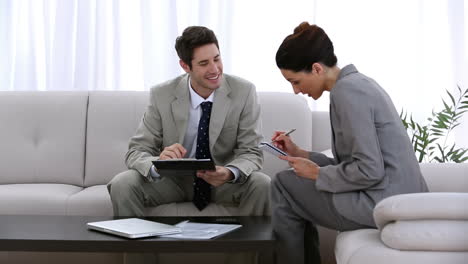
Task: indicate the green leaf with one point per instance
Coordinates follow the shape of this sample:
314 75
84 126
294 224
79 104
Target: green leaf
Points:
443 117
461 113
462 151
448 108
451 150
412 122
419 127
451 97
454 126
458 155
441 151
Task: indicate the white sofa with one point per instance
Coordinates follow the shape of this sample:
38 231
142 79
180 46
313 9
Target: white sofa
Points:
59 149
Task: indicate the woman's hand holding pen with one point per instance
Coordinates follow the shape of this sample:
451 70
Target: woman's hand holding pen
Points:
282 141
298 158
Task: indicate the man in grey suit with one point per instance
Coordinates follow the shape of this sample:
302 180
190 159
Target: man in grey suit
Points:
172 127
373 157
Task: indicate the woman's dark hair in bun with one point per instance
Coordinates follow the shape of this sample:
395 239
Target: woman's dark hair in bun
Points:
307 45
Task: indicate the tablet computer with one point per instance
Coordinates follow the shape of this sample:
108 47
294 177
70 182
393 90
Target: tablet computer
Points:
184 164
270 148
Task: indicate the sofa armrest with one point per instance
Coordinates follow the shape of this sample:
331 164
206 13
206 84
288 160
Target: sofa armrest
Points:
424 221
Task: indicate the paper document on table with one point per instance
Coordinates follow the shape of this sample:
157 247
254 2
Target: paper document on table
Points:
192 230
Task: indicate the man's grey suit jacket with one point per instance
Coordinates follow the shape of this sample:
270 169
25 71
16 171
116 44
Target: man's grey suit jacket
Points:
235 129
374 158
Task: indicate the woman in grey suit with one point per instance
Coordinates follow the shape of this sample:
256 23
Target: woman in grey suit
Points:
373 157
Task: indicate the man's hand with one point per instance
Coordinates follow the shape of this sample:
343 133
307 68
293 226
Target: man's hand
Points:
302 167
216 178
174 151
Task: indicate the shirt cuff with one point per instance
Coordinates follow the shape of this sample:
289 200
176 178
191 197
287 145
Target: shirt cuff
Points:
154 174
236 173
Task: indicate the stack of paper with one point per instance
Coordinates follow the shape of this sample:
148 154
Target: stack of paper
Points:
192 230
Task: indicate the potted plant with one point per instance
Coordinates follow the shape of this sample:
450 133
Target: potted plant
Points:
430 141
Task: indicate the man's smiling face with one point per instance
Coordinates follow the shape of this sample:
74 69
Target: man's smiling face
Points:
207 69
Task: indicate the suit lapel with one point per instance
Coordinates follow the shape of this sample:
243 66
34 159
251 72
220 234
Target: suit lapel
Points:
180 108
221 106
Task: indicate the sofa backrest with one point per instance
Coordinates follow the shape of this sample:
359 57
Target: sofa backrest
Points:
446 177
42 137
282 112
321 131
113 117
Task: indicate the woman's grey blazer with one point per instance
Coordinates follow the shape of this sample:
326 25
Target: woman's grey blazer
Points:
373 156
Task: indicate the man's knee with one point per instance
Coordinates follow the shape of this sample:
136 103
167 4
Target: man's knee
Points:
260 181
123 182
260 184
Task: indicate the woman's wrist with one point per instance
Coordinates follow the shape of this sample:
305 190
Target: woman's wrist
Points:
301 153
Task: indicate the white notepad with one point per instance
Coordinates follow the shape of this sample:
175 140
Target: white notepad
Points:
133 228
270 148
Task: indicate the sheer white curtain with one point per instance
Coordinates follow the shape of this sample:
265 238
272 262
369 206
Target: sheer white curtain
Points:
414 48
86 44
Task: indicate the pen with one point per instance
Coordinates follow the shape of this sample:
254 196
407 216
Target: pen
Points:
287 133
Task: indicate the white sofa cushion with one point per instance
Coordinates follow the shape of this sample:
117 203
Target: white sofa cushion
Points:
112 119
424 221
35 199
365 247
284 111
436 235
42 137
321 132
446 177
421 206
94 200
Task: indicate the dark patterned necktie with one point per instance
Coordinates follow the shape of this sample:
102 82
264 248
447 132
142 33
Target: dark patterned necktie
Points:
202 189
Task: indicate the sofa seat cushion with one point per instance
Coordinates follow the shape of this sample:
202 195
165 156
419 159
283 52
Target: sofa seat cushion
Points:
95 201
92 201
188 209
365 247
36 199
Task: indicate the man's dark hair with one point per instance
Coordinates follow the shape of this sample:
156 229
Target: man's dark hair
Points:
307 45
193 37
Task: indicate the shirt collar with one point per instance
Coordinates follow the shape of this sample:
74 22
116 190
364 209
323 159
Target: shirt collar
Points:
196 99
